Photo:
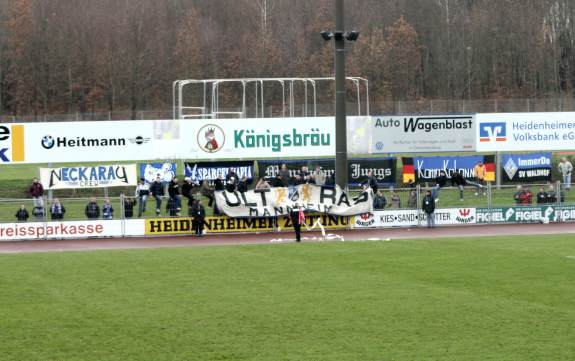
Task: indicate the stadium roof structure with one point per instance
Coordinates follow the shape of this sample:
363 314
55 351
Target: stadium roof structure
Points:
200 99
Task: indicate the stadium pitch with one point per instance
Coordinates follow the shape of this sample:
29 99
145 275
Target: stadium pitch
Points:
442 299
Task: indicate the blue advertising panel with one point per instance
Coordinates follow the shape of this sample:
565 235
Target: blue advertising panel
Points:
532 167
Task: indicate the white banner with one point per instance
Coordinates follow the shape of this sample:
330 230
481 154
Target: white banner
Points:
71 229
279 201
89 177
258 138
411 133
413 217
498 132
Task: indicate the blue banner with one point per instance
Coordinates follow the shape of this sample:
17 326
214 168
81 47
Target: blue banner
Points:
532 167
428 168
150 171
212 170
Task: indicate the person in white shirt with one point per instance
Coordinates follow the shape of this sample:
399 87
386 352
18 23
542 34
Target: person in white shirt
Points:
566 168
142 193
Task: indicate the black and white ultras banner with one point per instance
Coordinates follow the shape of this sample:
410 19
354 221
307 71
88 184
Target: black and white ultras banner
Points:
280 201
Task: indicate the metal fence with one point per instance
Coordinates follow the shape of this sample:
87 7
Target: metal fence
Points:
127 207
425 106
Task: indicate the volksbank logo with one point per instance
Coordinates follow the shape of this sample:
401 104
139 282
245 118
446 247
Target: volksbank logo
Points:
427 124
248 138
11 143
493 132
49 142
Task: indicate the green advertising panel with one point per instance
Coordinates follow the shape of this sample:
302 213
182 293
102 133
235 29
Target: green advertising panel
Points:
525 214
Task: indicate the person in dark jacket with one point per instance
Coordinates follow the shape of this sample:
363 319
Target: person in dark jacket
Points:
371 182
92 210
243 185
542 196
187 187
428 206
198 213
129 204
36 191
22 214
157 191
232 180
57 210
284 176
440 182
174 193
297 218
219 184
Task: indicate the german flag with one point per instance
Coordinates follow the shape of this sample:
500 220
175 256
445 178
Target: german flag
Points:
489 162
408 170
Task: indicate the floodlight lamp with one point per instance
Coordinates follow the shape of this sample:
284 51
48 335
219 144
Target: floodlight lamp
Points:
352 35
326 35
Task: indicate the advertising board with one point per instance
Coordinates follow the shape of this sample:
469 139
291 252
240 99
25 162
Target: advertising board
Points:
71 229
411 133
167 226
258 138
414 217
525 131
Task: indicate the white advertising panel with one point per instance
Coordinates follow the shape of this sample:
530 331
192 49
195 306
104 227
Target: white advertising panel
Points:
258 138
100 141
414 217
411 133
89 177
525 131
71 229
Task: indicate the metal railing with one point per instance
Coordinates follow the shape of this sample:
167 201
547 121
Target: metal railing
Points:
426 106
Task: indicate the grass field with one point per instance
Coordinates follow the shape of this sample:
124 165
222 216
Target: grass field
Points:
506 298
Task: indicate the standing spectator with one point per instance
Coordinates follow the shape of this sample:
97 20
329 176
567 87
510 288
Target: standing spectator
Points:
262 184
379 201
198 213
542 196
297 218
395 200
372 181
22 214
57 210
174 193
440 182
129 204
428 206
304 176
157 191
284 175
480 174
36 191
518 195
142 192
107 209
412 200
232 180
318 176
92 210
566 168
